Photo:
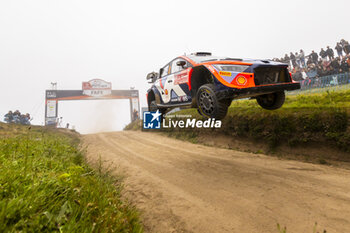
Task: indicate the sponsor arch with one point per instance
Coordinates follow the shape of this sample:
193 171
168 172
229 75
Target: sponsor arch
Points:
95 89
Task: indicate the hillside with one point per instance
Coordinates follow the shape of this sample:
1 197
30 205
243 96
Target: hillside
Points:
308 124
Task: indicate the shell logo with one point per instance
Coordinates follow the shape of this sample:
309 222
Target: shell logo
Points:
166 91
241 80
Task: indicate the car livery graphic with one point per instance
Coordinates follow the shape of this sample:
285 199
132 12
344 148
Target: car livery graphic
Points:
210 83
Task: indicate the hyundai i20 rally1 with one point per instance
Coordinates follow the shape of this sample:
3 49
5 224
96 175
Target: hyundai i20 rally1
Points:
210 83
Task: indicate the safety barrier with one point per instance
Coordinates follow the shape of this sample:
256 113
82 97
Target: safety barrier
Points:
325 81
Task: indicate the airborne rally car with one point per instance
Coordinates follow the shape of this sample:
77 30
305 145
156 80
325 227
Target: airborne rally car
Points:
210 83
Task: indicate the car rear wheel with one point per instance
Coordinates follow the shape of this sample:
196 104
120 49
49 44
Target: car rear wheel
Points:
271 101
208 103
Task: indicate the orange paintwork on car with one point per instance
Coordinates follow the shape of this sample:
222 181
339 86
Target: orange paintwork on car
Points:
208 65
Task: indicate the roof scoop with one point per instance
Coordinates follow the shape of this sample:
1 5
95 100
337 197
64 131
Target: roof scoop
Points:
202 54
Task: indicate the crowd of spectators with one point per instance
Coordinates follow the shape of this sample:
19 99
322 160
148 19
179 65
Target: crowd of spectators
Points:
315 65
17 118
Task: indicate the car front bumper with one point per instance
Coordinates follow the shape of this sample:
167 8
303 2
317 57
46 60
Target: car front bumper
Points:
256 91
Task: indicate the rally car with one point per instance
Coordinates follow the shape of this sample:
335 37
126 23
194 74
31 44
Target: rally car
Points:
210 83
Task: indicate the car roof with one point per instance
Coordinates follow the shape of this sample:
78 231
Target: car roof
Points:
198 59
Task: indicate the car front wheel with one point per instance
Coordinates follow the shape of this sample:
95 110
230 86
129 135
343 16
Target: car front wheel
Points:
208 103
271 101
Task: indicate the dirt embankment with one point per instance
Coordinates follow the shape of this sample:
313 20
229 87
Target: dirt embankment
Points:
185 187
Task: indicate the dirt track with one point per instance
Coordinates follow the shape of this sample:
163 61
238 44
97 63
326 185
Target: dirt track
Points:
183 187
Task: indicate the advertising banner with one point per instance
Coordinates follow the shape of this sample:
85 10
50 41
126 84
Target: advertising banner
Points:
51 108
97 88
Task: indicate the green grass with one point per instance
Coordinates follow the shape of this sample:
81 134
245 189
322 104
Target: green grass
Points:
321 118
135 125
319 101
45 186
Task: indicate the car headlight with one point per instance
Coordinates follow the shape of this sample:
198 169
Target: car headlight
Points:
231 68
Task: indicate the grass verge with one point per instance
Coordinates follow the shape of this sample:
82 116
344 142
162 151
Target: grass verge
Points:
318 120
45 186
303 119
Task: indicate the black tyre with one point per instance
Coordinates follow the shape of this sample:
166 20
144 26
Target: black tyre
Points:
152 107
208 103
271 101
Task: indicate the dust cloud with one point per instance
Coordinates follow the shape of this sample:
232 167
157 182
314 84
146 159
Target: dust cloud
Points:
94 116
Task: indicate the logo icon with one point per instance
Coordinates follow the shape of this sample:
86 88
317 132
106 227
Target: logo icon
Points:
151 120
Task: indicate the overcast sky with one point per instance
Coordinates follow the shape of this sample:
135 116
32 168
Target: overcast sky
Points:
68 42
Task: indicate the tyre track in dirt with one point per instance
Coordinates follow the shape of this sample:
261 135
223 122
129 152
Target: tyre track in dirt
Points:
184 187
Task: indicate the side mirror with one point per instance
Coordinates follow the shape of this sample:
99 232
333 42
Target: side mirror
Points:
181 63
152 77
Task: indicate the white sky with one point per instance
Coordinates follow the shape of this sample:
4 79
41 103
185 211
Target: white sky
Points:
68 42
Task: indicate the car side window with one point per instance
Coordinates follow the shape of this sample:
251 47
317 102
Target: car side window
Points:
165 71
175 68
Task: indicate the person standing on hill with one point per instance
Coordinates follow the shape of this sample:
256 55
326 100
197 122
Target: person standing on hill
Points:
346 48
344 67
330 53
9 117
297 59
314 57
348 61
292 58
323 54
302 58
17 116
339 49
335 65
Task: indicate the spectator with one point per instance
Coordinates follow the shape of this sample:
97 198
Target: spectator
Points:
309 70
25 119
330 53
314 56
303 74
17 113
28 118
9 117
342 42
59 122
297 58
346 48
309 61
323 54
302 58
135 115
339 49
17 118
335 65
292 58
344 67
